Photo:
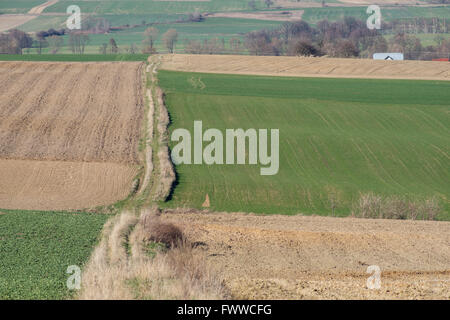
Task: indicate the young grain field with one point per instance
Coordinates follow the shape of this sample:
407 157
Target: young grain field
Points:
338 138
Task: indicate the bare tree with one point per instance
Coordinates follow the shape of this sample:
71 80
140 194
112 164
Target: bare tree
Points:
14 41
78 42
346 49
268 3
102 49
113 48
252 4
132 49
193 46
150 36
55 43
305 48
40 43
235 45
170 38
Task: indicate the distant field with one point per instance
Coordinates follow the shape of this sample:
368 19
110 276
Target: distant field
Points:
18 6
164 17
340 136
225 28
74 57
313 15
307 66
149 6
37 247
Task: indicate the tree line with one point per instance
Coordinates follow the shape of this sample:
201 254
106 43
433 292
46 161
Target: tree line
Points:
349 37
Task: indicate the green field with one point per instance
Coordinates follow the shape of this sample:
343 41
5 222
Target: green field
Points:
149 6
340 136
73 57
313 15
37 247
222 28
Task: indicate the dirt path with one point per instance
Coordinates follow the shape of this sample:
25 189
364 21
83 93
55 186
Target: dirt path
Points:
303 257
308 67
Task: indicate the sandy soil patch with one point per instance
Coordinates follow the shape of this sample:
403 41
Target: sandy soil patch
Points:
11 21
59 185
303 257
308 67
261 15
80 122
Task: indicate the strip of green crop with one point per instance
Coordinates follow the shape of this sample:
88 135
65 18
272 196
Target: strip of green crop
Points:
37 247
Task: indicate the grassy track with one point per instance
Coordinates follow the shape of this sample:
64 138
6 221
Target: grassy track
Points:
37 247
73 57
337 136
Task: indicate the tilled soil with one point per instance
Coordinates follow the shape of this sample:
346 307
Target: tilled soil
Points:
312 257
70 111
62 185
308 67
64 115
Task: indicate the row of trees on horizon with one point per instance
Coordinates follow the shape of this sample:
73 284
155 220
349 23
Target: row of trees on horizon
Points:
349 37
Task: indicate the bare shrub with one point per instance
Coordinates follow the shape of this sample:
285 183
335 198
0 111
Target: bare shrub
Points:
158 231
396 207
166 233
170 38
369 206
431 209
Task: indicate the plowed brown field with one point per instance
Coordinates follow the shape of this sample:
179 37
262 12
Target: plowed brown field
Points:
80 122
308 67
304 257
59 185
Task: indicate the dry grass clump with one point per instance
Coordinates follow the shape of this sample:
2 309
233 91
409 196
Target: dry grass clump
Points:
163 120
371 205
101 278
163 232
167 175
